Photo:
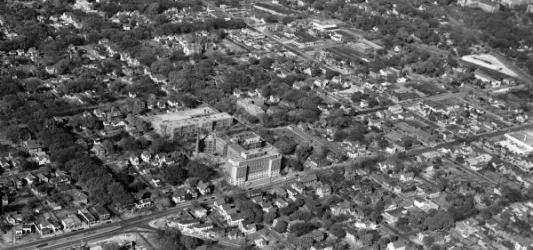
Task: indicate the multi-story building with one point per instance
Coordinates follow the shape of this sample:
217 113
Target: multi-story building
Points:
191 121
249 158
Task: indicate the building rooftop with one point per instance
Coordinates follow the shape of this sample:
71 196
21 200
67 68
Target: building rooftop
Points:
525 137
188 117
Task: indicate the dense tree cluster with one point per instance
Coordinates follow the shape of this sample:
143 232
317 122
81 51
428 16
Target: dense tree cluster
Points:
173 240
88 173
299 229
251 212
176 174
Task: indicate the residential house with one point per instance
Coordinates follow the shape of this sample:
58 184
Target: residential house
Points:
204 188
234 234
397 245
18 232
427 190
308 179
392 216
261 242
323 191
366 225
180 195
298 187
183 223
53 205
315 235
144 203
341 208
247 228
279 192
5 200
199 212
44 227
100 212
235 218
280 203
292 193
42 177
78 197
33 147
425 204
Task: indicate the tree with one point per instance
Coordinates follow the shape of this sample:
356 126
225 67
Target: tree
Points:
163 67
293 164
301 228
281 226
286 145
461 207
338 231
303 152
428 241
511 195
128 143
266 62
114 246
191 242
270 216
288 209
252 212
30 165
174 174
301 214
199 170
438 220
173 239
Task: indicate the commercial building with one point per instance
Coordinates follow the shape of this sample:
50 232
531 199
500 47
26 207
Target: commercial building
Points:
489 62
191 121
249 158
520 142
324 25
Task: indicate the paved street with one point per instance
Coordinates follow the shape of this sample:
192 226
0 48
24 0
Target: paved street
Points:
98 231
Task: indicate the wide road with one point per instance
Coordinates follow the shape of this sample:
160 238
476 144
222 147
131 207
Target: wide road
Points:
74 238
107 229
473 138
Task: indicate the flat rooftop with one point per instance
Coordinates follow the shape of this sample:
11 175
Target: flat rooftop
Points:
489 62
523 136
274 8
183 115
190 116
